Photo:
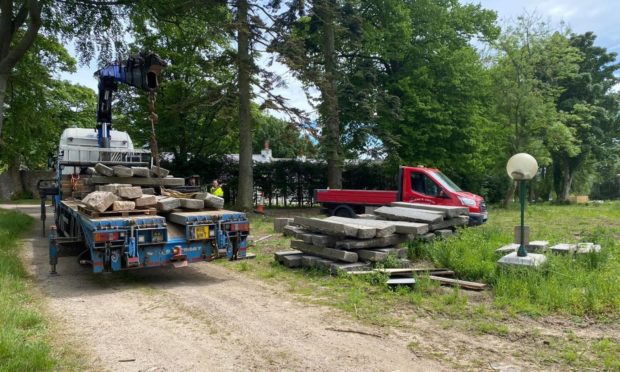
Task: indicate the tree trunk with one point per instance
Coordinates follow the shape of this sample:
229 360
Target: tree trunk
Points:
330 97
567 181
244 199
510 194
4 79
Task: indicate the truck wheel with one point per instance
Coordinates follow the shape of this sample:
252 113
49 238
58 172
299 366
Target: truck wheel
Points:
344 211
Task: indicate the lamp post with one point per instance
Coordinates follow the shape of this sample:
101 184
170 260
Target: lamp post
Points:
522 167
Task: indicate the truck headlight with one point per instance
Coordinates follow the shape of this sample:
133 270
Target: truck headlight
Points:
468 202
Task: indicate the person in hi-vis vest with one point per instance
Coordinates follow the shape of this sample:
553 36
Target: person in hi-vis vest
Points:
216 189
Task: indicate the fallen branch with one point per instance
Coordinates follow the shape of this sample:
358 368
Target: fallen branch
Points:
352 331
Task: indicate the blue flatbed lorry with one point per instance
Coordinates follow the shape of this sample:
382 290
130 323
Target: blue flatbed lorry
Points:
142 238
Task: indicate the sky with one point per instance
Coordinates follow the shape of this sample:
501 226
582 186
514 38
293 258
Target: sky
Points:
599 16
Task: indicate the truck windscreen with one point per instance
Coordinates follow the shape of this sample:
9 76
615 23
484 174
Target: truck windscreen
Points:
446 182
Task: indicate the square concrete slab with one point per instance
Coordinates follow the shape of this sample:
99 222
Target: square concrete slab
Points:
531 260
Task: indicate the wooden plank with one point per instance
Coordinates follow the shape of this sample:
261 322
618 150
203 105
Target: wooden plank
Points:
401 271
460 283
400 281
408 214
447 211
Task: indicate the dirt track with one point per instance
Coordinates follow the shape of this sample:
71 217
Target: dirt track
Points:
204 317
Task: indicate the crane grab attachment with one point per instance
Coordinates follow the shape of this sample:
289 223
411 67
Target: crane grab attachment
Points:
141 71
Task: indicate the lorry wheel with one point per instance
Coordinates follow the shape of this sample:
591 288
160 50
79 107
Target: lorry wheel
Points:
344 211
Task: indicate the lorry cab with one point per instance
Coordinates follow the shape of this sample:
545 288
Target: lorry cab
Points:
430 186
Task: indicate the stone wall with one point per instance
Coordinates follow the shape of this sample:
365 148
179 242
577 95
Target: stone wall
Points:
29 180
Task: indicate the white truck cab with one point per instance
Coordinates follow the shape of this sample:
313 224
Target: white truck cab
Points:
79 147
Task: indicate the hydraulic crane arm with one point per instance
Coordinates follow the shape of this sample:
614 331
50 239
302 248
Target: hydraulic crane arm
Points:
140 71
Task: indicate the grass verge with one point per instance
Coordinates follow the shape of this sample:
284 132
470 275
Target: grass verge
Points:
24 338
579 290
579 285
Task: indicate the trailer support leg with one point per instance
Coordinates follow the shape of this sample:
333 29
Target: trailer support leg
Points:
53 250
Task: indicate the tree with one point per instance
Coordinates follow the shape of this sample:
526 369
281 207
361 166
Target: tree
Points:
95 25
530 63
197 97
442 90
14 40
334 46
38 110
589 110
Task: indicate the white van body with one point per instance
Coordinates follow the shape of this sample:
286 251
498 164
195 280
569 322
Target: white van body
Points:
78 148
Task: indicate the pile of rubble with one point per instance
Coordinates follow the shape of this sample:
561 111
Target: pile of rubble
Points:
126 197
351 244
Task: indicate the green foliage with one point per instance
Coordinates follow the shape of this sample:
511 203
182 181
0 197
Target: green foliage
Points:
23 343
40 107
583 285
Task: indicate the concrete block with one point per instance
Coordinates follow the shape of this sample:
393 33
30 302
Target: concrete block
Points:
123 205
294 231
104 170
368 216
324 240
386 241
564 248
192 203
212 201
338 267
113 187
447 211
305 237
122 171
166 204
91 171
452 222
278 255
141 171
291 260
372 256
383 228
334 254
397 252
146 201
129 192
335 228
508 248
316 262
537 246
444 233
279 223
531 260
428 237
148 191
408 214
159 172
583 248
99 200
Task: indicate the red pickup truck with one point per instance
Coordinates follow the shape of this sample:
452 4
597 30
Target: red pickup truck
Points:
416 185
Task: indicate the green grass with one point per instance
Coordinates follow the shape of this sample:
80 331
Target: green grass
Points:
23 341
583 285
573 289
23 201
